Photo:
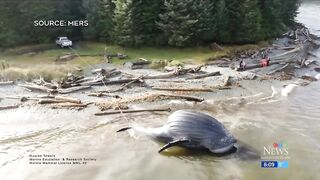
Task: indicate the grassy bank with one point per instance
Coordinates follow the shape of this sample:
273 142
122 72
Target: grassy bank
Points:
28 62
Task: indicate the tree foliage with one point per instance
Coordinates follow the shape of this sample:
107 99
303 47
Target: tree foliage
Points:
148 22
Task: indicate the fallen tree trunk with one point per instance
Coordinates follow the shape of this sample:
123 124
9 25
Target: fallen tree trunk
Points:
161 76
27 89
286 48
100 94
121 88
182 89
254 66
188 98
37 88
172 81
121 81
70 105
68 99
7 83
73 89
278 70
50 101
124 86
84 79
288 52
9 107
131 111
94 82
176 72
217 73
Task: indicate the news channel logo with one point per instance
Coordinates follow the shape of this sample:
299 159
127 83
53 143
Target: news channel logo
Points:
275 155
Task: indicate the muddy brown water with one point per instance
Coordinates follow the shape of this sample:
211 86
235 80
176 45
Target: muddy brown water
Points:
293 120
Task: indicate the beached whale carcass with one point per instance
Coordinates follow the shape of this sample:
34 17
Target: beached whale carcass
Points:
192 130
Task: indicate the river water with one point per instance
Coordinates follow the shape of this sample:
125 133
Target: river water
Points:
293 121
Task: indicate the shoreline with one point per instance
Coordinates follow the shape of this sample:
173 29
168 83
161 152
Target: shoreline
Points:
220 80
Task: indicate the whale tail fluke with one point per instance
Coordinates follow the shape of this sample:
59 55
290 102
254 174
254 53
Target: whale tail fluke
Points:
124 129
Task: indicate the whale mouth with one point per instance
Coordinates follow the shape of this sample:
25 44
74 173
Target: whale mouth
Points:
222 150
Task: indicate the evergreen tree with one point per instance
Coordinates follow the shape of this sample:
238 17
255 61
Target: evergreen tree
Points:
206 25
91 9
250 30
145 22
289 10
272 23
68 10
8 28
99 14
229 15
106 20
184 21
123 31
145 14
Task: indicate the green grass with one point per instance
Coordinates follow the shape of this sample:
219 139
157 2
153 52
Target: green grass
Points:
40 59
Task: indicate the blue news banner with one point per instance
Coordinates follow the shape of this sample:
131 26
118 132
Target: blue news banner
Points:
274 164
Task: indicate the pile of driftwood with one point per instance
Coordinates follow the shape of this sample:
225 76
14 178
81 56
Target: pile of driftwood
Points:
72 83
295 53
54 101
3 83
105 77
292 51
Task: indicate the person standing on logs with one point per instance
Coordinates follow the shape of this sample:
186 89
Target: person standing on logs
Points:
265 61
242 65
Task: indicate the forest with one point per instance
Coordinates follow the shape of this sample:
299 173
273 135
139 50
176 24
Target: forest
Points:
178 23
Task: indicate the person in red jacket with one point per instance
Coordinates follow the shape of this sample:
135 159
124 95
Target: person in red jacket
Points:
265 62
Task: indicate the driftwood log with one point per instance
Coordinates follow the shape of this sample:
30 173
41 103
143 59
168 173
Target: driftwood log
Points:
94 82
10 107
7 83
278 70
50 101
101 94
73 89
295 50
131 111
188 98
122 81
68 99
217 73
254 66
162 76
69 105
182 89
176 72
37 88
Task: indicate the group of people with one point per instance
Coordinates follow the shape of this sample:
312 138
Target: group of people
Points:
264 62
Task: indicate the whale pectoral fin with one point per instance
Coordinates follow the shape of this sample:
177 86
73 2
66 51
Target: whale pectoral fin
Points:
173 143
